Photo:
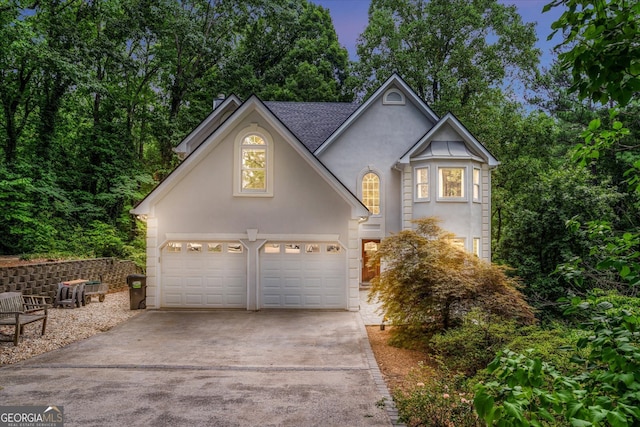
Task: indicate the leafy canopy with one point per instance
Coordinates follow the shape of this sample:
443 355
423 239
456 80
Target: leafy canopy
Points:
604 41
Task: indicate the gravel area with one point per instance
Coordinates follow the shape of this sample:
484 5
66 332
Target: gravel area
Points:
66 325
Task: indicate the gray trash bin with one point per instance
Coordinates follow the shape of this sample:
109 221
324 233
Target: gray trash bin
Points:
137 291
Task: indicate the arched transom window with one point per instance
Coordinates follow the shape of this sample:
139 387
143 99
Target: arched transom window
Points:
371 192
253 160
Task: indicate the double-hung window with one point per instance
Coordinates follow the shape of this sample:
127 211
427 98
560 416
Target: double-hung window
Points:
422 184
476 184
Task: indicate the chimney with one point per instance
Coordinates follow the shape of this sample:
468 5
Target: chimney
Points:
218 100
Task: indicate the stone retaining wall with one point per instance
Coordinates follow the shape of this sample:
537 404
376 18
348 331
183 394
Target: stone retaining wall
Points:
43 279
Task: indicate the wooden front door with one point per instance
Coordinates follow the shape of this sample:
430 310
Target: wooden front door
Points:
369 247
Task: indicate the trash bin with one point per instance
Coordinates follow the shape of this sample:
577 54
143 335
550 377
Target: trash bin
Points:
137 291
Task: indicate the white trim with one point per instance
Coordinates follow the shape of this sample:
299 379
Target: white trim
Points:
201 237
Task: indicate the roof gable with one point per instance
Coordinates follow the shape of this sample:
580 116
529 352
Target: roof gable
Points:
394 81
253 104
468 147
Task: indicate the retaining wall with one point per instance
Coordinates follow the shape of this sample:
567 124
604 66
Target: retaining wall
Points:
43 278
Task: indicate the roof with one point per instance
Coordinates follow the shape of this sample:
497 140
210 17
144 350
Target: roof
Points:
473 146
447 150
312 122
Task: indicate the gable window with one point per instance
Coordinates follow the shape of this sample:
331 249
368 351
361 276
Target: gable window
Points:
476 184
422 183
371 192
451 183
254 163
393 97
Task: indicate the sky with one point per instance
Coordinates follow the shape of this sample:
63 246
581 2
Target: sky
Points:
350 19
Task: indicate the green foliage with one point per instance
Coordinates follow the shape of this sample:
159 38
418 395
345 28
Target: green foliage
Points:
604 41
93 96
534 238
602 390
470 347
437 401
290 52
22 223
428 283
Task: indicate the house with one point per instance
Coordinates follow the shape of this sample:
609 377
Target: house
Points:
280 204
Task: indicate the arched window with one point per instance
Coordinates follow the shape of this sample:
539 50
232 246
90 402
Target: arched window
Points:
393 97
253 164
253 169
371 192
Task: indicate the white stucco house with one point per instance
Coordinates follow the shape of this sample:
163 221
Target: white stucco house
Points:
280 204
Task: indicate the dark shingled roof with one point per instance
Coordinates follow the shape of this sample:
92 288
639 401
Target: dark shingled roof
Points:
312 122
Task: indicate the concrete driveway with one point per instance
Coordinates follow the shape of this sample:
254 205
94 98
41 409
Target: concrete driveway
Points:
215 368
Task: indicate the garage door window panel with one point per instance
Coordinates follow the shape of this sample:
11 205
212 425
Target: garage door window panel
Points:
312 248
234 248
174 247
292 248
272 248
194 247
334 248
214 248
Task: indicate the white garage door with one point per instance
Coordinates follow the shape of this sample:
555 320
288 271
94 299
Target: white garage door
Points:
204 275
303 275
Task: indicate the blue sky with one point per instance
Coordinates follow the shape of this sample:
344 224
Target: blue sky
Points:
350 19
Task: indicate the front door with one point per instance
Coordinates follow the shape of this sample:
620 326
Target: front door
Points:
369 248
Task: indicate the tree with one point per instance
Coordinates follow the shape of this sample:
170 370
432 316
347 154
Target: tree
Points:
603 55
427 283
450 52
289 52
19 56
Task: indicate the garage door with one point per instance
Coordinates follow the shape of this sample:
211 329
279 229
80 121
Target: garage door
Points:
303 275
204 275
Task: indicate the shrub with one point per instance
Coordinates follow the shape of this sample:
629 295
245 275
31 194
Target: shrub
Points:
471 346
428 284
603 390
437 402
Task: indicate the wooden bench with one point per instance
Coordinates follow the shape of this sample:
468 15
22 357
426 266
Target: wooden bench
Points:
18 310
